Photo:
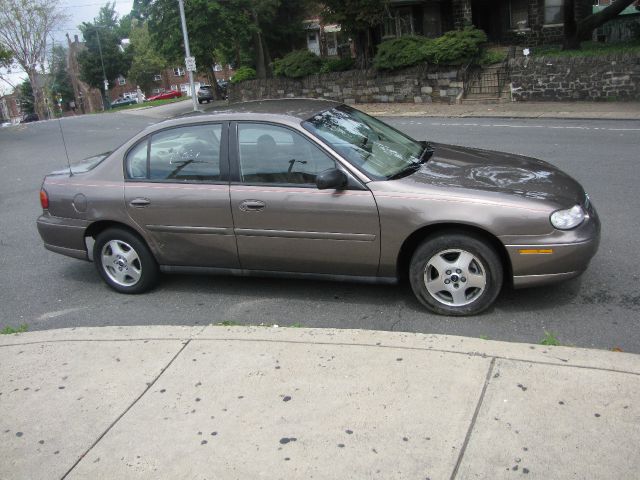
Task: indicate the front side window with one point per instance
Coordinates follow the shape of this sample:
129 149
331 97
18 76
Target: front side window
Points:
377 149
185 154
553 11
277 155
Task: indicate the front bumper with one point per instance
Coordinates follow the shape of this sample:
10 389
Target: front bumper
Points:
554 258
63 235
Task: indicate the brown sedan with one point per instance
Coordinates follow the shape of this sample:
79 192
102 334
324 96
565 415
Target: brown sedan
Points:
316 189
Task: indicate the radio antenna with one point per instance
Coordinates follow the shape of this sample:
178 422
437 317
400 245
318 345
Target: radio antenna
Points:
65 147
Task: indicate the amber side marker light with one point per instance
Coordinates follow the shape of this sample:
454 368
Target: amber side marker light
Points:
44 199
536 251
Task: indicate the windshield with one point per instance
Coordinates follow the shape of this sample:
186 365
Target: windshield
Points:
380 151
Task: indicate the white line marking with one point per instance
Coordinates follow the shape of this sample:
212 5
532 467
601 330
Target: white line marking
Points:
59 313
534 126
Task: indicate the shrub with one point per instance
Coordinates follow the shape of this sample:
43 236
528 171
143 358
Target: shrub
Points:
297 64
337 65
400 52
455 47
242 74
491 57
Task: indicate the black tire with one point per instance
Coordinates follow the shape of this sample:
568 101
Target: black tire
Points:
131 267
447 252
200 102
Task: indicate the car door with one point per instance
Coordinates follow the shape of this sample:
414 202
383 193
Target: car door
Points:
177 190
283 222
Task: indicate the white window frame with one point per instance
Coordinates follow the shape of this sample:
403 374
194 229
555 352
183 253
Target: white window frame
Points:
178 72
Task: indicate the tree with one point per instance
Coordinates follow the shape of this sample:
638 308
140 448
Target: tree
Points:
213 26
102 40
26 99
61 89
25 27
225 30
576 32
146 62
6 57
357 18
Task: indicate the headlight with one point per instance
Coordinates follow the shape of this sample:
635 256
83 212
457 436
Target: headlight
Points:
568 219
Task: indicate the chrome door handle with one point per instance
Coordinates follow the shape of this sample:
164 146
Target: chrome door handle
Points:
252 205
139 202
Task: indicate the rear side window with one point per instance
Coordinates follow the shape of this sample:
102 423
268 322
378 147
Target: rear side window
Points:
185 154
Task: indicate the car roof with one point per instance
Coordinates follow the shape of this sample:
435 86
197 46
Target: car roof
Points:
290 110
300 108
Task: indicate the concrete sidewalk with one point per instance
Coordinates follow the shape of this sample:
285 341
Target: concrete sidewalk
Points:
564 110
265 402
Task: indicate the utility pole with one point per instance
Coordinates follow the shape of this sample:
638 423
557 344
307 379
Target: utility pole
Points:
106 102
190 63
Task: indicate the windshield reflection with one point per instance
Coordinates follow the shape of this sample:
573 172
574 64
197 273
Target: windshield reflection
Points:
378 150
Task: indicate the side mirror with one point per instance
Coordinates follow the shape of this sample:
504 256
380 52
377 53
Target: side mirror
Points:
331 179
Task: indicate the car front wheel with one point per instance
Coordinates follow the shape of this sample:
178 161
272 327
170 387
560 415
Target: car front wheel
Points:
456 274
124 262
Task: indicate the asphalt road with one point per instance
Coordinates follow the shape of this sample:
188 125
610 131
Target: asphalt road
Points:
601 309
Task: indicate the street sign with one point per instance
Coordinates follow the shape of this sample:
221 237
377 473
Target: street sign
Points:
106 85
190 63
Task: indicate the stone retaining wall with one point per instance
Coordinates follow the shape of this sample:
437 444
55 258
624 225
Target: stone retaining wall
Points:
419 84
616 77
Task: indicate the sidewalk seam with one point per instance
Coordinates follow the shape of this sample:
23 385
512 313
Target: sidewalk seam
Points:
164 369
421 349
473 419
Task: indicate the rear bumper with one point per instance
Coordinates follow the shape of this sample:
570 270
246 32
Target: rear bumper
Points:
63 235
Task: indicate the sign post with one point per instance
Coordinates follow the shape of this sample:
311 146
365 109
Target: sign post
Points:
189 60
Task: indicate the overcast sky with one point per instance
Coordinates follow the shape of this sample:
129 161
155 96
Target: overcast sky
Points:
86 11
80 11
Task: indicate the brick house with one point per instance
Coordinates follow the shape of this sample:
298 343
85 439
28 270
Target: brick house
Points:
522 22
10 110
174 78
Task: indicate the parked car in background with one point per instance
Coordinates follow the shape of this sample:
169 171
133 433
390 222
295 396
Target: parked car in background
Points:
205 94
318 189
165 95
121 102
223 87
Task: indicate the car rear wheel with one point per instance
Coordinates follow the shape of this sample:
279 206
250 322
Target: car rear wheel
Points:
456 274
124 262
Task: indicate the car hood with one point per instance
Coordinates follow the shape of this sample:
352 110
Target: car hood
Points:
469 168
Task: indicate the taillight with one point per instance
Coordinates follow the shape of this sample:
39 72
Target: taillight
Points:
44 199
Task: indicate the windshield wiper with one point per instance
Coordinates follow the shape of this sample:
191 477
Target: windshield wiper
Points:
427 152
406 171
